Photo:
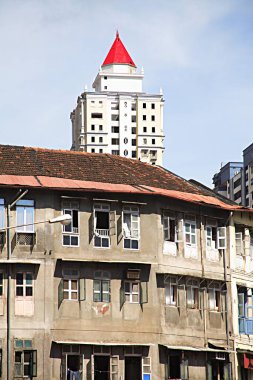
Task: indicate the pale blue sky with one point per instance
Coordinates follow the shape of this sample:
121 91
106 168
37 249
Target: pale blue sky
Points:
200 52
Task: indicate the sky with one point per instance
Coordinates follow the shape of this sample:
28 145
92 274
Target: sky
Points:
200 52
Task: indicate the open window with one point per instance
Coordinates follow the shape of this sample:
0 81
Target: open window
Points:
25 359
171 290
131 227
104 225
169 228
215 290
71 287
192 293
239 240
70 232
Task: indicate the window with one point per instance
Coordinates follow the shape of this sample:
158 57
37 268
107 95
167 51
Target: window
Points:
1 284
153 118
115 141
169 228
211 235
153 141
144 117
70 232
133 142
2 213
171 291
115 152
101 127
115 129
105 77
100 150
25 216
251 244
96 115
100 139
152 106
144 153
145 141
104 225
132 291
144 105
92 139
192 294
105 87
131 227
92 127
92 150
133 118
24 284
190 232
25 359
153 129
134 154
239 242
144 129
70 289
133 130
101 287
214 297
115 117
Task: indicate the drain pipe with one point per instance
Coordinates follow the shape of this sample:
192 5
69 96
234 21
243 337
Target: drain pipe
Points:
19 195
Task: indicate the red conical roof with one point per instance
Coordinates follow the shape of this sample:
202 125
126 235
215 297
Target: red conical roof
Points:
118 54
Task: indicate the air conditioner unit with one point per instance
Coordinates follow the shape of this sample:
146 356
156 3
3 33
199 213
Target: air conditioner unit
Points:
133 274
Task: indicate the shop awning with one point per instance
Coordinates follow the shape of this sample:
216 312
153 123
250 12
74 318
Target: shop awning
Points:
202 349
102 343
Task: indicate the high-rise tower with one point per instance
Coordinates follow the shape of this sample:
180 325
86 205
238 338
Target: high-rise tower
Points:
118 117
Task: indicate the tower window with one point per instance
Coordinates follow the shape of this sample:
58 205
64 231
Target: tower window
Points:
93 139
133 142
134 154
101 127
92 127
105 87
144 129
144 105
96 115
153 106
92 150
100 150
105 77
144 117
153 117
153 129
153 141
100 139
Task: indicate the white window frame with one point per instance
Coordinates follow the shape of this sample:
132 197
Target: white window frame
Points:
69 276
128 234
69 208
192 290
131 293
239 243
22 207
2 213
98 232
102 278
167 220
1 284
24 285
213 291
192 226
171 291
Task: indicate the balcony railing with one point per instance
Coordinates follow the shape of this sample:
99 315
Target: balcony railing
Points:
245 325
101 232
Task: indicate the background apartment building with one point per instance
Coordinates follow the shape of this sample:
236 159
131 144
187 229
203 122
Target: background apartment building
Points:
143 284
118 117
235 179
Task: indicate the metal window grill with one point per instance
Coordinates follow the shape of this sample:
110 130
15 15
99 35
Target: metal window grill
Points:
25 238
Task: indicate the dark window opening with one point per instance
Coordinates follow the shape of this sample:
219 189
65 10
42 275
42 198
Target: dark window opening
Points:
132 368
96 115
101 367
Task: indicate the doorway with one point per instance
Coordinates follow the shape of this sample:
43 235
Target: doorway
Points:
101 367
132 367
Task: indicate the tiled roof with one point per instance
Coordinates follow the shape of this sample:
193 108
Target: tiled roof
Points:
118 54
37 167
106 168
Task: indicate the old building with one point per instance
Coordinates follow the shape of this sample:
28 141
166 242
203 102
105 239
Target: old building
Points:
118 117
143 284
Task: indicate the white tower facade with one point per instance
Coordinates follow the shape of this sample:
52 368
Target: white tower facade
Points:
118 117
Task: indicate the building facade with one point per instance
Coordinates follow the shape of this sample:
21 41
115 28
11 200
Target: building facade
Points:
235 179
150 280
118 117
